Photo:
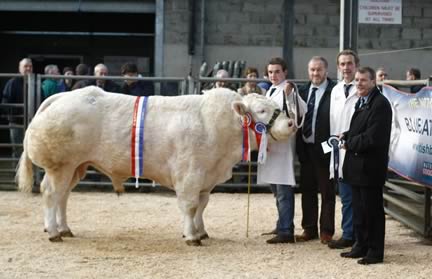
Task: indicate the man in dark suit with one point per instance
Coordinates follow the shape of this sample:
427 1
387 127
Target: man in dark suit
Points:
13 93
314 171
365 167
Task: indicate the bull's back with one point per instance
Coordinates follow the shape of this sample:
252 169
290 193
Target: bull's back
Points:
69 129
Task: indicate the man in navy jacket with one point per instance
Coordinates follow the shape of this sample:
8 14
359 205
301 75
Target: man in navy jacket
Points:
365 167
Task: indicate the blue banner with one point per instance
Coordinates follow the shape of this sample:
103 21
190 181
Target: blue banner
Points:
411 137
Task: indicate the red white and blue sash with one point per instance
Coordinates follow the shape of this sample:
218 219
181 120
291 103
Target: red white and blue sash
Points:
137 139
260 131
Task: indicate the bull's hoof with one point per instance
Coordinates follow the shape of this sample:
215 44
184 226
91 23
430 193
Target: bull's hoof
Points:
195 242
66 234
56 238
204 236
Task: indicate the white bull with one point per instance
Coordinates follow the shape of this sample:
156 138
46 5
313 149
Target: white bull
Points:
191 144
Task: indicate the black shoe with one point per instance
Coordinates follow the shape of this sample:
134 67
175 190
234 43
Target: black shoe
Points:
341 243
353 254
366 261
271 232
281 239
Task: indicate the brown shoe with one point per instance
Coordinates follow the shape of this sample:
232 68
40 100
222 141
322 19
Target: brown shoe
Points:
325 238
305 236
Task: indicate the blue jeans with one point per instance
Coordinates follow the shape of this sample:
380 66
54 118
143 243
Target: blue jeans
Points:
16 137
345 194
284 195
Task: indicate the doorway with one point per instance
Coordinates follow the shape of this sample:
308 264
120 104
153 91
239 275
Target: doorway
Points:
41 60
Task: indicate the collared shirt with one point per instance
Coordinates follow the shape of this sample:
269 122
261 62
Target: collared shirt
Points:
362 101
275 93
365 99
318 95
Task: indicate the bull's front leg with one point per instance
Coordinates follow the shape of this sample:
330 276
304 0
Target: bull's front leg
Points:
198 220
188 205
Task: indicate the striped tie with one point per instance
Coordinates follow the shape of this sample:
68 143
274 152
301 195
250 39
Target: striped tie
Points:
360 103
307 125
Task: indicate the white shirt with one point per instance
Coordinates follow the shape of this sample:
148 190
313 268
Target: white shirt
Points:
341 111
318 95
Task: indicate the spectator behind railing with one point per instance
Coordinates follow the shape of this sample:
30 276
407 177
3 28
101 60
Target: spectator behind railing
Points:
66 83
100 70
13 93
81 70
250 86
135 87
414 74
50 86
381 74
221 74
265 84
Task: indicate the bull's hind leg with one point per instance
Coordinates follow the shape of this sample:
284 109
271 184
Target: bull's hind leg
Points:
188 204
56 184
198 220
63 227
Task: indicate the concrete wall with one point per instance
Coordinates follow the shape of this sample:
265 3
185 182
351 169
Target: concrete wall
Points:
253 31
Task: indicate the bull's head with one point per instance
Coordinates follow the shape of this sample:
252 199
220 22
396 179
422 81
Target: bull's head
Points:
264 110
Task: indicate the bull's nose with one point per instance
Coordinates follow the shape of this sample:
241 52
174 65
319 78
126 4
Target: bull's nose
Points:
290 123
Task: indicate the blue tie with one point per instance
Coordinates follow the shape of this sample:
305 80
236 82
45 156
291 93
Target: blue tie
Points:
272 91
307 125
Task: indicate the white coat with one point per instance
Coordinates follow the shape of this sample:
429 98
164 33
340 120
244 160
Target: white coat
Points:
341 111
279 166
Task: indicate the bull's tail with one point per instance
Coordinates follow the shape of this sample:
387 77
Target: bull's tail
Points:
24 172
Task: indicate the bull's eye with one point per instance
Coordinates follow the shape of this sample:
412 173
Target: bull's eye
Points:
261 111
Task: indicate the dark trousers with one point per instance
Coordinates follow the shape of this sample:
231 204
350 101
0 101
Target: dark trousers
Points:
313 177
369 219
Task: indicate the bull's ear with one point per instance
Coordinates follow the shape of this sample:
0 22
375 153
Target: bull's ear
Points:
239 107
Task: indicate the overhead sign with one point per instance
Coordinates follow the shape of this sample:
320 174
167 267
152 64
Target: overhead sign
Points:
380 11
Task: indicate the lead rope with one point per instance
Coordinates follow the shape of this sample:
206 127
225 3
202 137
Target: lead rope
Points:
296 103
248 200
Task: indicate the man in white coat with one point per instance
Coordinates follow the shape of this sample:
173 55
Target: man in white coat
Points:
342 104
278 170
